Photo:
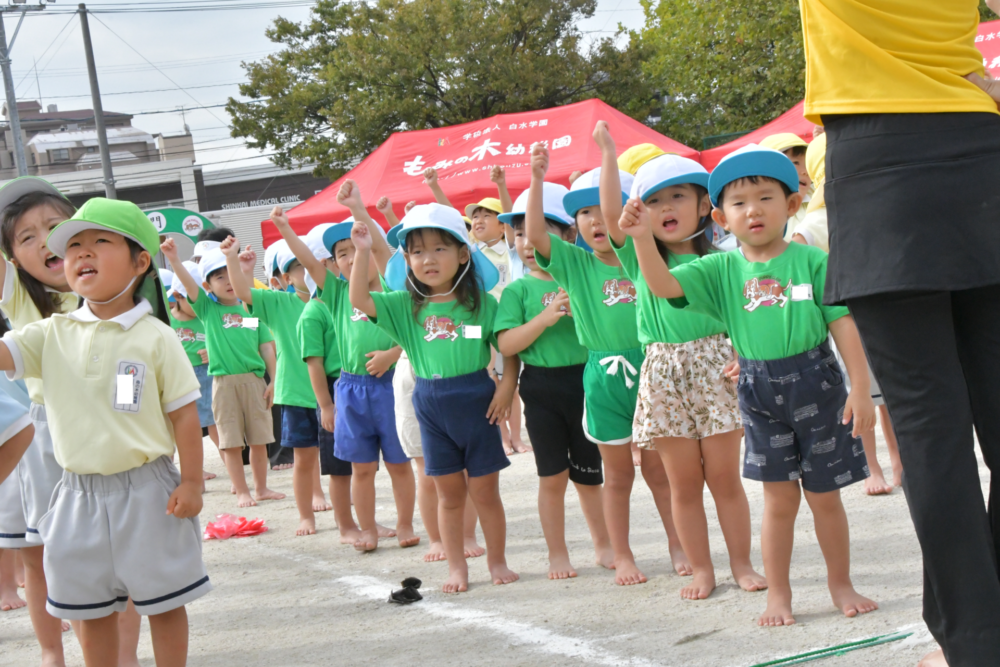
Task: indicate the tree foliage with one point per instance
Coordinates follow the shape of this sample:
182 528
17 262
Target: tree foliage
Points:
722 67
358 71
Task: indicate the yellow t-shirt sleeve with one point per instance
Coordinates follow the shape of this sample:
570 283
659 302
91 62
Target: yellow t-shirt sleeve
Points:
27 349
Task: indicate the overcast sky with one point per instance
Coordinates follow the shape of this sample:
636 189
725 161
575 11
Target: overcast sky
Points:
200 51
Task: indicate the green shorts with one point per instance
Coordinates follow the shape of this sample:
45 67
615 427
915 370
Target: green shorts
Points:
611 389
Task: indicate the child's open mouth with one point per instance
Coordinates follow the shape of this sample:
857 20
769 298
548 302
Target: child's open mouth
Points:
54 263
86 272
599 236
669 225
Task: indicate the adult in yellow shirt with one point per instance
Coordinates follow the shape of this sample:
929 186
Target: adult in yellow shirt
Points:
914 218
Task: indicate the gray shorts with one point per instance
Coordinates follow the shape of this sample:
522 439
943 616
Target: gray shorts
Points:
38 473
13 529
108 538
792 410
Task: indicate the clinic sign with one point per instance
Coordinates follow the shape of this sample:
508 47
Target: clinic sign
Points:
170 220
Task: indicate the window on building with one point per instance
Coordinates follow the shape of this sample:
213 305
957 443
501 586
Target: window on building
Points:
91 149
59 155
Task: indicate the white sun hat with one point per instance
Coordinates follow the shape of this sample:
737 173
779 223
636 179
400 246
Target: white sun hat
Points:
586 190
552 205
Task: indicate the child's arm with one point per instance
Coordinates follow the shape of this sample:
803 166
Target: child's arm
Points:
185 501
350 196
185 308
859 402
231 249
315 268
380 361
635 223
317 378
503 396
611 183
169 250
268 354
384 206
13 449
514 341
498 176
534 215
357 291
431 181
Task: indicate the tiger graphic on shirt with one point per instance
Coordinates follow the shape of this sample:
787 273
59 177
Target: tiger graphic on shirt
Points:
618 291
232 320
358 316
440 327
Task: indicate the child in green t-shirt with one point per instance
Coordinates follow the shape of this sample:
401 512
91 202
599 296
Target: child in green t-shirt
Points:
687 409
365 414
442 315
795 409
534 322
238 356
602 300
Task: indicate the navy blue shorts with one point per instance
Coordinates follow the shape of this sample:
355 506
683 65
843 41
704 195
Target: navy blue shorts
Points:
366 420
299 426
329 464
204 403
456 434
792 410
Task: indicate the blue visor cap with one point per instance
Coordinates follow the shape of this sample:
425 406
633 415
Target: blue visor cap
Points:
752 160
446 219
552 205
586 190
335 234
664 171
390 236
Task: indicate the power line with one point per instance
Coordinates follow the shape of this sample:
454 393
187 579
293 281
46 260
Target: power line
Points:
174 7
141 92
35 68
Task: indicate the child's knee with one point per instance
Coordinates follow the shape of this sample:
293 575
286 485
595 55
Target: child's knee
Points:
826 502
364 472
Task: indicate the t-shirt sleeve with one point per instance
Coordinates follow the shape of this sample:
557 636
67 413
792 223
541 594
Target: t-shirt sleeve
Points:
26 345
490 319
393 308
510 311
264 335
702 286
175 375
264 306
312 330
13 292
203 305
564 259
628 258
830 313
330 292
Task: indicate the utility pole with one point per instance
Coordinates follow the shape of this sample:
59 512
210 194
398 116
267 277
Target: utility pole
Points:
95 94
8 83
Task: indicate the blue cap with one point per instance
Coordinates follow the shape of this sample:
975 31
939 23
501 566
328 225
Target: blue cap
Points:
337 233
752 160
390 236
586 190
664 171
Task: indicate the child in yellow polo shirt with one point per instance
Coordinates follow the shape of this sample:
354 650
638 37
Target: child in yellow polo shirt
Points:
122 522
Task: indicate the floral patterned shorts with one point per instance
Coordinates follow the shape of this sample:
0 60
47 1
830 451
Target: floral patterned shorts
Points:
683 392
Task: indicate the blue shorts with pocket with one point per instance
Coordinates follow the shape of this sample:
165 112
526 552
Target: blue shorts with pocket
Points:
329 464
454 429
366 419
792 410
204 402
299 426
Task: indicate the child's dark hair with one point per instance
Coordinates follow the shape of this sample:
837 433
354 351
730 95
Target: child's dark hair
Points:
796 151
467 293
160 308
45 301
756 180
218 234
517 224
208 278
702 246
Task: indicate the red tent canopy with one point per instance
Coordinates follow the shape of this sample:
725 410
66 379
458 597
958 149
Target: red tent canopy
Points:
790 121
988 41
464 155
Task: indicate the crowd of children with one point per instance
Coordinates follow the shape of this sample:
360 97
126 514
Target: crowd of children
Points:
605 309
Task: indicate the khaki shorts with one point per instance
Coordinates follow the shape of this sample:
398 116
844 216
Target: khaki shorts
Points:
241 414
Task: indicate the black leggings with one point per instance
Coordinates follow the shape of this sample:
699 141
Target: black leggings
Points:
936 356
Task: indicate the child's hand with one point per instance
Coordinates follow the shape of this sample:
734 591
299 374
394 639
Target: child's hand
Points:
430 177
230 247
169 250
861 408
539 161
379 362
350 195
327 418
248 259
635 218
499 409
203 353
383 204
602 137
409 205
185 501
269 395
278 217
732 371
558 309
362 239
497 174
575 175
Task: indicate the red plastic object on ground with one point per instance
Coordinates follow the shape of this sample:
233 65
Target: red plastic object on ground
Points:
227 525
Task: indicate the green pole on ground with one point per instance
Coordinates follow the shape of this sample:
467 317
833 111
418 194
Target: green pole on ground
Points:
832 651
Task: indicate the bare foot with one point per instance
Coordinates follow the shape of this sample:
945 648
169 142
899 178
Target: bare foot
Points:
320 504
627 574
407 538
778 611
472 548
521 447
65 627
605 558
368 541
502 574
680 560
384 532
560 568
935 659
636 455
244 500
268 494
306 527
876 484
508 449
700 587
232 489
748 579
282 466
850 601
457 582
350 536
10 600
208 475
897 474
435 553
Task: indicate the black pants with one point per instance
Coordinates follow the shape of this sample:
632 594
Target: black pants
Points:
936 356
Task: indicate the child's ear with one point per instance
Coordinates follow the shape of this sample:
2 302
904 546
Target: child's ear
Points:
704 207
143 262
569 235
794 203
720 217
463 254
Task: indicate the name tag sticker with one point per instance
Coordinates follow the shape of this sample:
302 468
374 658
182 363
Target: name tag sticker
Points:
124 394
472 331
802 292
129 381
249 322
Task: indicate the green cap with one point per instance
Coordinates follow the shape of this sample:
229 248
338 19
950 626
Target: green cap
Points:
121 217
